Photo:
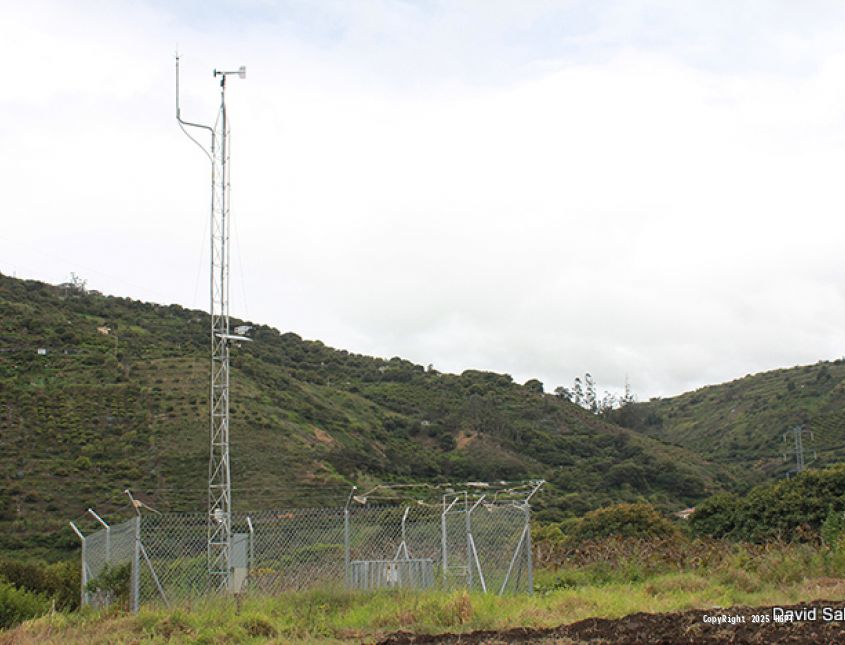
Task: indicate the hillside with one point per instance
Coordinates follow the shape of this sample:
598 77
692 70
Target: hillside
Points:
86 412
742 423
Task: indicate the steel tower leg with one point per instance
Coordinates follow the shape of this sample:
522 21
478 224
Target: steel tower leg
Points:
219 473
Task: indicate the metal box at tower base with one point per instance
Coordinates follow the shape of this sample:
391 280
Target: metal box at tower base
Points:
240 561
391 574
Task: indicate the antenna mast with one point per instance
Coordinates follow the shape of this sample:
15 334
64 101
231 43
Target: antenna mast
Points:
219 472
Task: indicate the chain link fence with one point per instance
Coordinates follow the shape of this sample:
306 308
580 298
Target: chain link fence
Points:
104 552
459 544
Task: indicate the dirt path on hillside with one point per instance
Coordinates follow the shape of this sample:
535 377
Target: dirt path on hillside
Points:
692 626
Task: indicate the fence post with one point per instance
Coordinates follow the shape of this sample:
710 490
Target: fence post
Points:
514 559
529 557
346 546
444 562
444 537
108 534
135 591
251 553
473 550
84 585
468 518
84 577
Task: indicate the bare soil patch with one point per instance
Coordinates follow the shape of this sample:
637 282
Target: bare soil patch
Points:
663 629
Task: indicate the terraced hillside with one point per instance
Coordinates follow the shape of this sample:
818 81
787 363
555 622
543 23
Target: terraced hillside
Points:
742 423
100 393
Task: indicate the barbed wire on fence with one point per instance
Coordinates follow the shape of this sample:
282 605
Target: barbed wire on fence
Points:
471 542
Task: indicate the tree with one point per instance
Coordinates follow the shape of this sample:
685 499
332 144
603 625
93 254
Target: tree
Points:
590 399
608 402
628 397
563 393
577 392
78 283
628 472
534 385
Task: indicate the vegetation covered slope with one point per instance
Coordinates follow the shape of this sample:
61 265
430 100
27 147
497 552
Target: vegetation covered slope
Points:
742 423
86 412
808 506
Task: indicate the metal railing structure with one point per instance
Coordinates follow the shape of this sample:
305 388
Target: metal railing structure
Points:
464 542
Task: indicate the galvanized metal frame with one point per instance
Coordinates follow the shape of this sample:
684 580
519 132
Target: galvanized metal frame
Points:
403 545
108 533
444 557
83 591
135 571
471 547
219 544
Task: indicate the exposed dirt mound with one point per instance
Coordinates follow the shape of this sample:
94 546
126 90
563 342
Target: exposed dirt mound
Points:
738 625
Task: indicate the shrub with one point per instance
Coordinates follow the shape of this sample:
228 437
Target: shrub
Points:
63 587
60 581
25 575
534 386
624 520
794 509
18 605
112 584
715 516
833 528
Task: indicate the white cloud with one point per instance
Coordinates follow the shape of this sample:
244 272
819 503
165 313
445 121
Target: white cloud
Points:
543 189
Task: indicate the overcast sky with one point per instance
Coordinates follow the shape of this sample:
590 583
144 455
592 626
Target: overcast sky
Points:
540 188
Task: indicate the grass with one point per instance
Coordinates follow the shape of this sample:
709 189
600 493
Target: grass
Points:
338 617
609 578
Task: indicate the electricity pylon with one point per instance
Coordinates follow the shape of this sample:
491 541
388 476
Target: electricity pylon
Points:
795 436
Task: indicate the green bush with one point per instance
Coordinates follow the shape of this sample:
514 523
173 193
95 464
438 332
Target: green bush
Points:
18 605
551 533
794 509
623 520
716 516
25 575
59 581
112 584
833 528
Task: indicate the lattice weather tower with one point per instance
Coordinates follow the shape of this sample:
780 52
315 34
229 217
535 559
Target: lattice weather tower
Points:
219 472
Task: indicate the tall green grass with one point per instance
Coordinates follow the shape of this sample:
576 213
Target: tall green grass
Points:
609 579
315 617
629 561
